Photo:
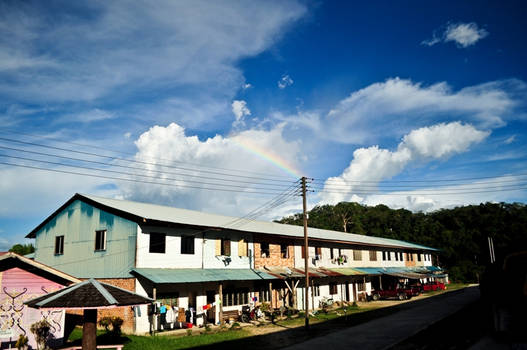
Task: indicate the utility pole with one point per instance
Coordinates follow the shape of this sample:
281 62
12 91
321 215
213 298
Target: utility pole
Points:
306 252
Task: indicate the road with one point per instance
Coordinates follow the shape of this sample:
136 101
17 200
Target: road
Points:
385 332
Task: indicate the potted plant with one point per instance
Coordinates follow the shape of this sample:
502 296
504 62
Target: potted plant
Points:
21 343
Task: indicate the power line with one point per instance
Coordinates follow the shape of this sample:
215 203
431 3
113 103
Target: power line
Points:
136 181
140 162
274 186
152 158
425 194
425 181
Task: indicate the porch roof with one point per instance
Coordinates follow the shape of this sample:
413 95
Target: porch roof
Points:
160 276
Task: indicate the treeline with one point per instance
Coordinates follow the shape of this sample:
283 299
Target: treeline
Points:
461 233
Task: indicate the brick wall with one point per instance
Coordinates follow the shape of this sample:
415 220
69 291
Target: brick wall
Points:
274 258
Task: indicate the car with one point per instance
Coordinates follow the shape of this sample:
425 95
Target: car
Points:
399 293
433 286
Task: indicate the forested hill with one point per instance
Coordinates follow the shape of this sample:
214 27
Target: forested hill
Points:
461 233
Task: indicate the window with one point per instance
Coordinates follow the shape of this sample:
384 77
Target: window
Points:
242 247
331 253
233 297
357 255
187 244
396 256
318 251
316 290
171 299
373 255
100 240
59 245
264 250
401 256
361 286
303 251
389 255
383 256
284 251
418 256
264 295
332 288
226 247
157 242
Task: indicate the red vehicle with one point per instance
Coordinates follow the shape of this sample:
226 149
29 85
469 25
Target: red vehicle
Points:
400 293
433 286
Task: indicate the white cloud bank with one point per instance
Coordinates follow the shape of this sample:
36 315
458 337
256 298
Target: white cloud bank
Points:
374 164
463 34
170 145
397 106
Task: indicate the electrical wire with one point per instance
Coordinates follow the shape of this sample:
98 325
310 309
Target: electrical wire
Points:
134 154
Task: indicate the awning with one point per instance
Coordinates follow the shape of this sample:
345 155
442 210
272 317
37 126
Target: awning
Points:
282 272
160 276
375 271
347 271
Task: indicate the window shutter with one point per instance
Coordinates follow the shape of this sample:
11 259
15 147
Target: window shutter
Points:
242 247
217 248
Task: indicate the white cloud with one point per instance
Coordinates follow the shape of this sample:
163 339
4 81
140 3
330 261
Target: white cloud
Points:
246 86
396 106
119 50
238 151
285 81
94 115
510 140
374 164
463 34
240 109
434 198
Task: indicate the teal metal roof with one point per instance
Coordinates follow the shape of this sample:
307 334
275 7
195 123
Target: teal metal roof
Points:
201 275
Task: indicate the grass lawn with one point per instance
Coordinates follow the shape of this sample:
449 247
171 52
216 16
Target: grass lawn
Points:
266 336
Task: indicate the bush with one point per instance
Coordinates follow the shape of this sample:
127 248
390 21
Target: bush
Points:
189 332
236 326
115 322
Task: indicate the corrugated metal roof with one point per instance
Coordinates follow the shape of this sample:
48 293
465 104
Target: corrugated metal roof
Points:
347 271
190 217
201 275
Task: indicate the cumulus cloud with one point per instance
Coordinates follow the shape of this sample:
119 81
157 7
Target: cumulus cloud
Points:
373 164
171 145
396 106
463 34
240 110
285 81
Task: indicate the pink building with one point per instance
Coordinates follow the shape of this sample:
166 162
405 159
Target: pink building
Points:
22 279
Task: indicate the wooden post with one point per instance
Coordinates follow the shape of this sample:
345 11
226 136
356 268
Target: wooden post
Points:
306 254
154 316
313 294
89 330
380 282
221 302
271 294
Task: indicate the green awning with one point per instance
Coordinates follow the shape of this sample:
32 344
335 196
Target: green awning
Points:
160 276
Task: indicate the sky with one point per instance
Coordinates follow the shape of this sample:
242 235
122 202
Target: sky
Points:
222 106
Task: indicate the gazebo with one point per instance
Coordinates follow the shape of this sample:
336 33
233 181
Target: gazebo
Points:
89 296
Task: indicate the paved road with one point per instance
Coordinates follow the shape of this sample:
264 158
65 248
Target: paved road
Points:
387 331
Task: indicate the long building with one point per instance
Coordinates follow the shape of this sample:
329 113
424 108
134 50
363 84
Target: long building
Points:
214 264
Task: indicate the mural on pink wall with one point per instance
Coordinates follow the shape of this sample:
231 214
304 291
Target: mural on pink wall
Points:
16 287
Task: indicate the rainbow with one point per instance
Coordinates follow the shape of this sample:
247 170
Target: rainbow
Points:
266 155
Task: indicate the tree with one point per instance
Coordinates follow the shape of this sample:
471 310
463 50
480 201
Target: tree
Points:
22 249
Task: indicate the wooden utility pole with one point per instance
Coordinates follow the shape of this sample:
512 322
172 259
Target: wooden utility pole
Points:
306 252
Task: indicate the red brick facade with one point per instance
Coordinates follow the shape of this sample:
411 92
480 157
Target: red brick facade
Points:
275 256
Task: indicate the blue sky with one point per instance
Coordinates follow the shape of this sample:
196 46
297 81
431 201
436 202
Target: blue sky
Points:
410 104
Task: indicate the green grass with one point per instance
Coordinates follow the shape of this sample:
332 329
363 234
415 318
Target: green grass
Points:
136 342
184 342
